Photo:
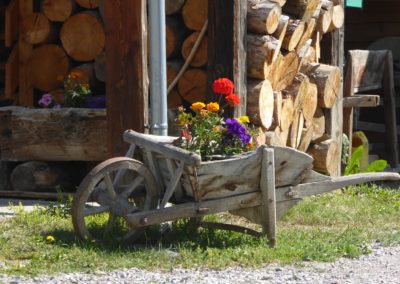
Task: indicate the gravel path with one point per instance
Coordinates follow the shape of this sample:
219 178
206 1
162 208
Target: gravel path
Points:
381 266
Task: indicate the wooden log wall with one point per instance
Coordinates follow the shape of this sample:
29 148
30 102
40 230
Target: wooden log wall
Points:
284 51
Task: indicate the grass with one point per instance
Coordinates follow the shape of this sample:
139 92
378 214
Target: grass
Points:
321 228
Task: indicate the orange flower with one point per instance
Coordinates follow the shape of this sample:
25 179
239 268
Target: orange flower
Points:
213 107
75 74
198 106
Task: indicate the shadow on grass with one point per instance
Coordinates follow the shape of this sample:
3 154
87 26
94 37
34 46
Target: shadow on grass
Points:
184 234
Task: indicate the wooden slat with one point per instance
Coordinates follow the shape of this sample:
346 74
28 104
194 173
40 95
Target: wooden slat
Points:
12 74
361 101
25 50
11 23
127 76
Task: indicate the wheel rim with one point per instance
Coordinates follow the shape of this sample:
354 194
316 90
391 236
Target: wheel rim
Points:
105 198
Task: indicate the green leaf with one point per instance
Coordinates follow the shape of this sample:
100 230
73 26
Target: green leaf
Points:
353 166
376 166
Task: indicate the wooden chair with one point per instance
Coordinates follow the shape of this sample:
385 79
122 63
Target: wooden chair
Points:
371 70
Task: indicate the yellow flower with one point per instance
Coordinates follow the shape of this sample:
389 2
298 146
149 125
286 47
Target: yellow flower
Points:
50 239
243 119
213 107
198 106
203 112
217 128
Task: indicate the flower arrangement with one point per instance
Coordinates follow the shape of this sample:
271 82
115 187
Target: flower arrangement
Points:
75 93
205 131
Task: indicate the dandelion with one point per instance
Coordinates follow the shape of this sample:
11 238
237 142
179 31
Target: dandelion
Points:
50 239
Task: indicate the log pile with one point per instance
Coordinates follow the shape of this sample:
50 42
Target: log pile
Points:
56 38
185 31
289 91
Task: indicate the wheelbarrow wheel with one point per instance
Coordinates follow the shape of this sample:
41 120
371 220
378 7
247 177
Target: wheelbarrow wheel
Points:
111 191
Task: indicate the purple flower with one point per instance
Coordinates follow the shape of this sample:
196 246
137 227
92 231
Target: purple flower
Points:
45 100
236 130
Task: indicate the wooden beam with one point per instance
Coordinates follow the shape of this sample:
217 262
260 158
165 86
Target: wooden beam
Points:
361 101
239 54
127 75
220 42
25 50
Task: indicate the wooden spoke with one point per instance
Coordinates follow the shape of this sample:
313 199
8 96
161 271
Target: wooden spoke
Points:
111 221
110 186
129 190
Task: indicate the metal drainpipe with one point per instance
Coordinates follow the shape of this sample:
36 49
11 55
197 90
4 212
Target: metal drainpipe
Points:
158 69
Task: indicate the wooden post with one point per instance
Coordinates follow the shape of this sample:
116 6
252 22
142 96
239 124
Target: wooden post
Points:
220 42
268 204
127 77
239 54
25 51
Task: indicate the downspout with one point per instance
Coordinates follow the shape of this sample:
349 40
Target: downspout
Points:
158 68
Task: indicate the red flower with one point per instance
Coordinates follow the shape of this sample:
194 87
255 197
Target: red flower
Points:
233 99
223 86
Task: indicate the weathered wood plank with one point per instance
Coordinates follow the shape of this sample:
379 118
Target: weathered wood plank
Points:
127 79
52 134
267 186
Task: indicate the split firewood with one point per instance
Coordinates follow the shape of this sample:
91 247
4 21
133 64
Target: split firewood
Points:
309 101
310 26
283 135
317 124
283 71
279 2
276 119
309 57
325 156
83 36
36 28
175 33
316 44
272 139
301 9
47 67
337 18
58 10
306 137
174 99
194 14
192 86
173 6
327 79
296 129
293 34
173 67
287 113
262 51
325 16
260 102
263 17
282 27
200 58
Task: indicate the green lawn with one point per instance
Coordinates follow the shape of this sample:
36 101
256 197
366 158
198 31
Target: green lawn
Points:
320 228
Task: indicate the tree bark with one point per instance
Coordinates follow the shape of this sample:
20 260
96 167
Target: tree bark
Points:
263 17
302 9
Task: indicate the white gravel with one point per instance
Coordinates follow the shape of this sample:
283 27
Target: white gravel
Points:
381 266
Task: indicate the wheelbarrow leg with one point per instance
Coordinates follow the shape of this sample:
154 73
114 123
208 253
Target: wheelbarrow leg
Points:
268 204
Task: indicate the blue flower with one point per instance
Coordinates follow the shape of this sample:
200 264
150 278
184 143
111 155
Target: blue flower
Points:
236 130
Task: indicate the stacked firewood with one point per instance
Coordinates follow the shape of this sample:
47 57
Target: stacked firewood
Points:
289 91
185 25
66 36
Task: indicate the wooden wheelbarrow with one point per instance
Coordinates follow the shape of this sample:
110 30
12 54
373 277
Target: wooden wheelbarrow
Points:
122 196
